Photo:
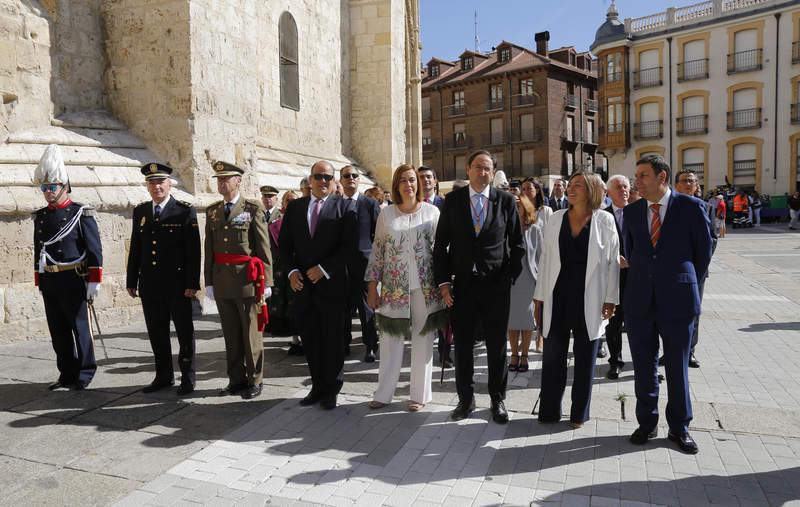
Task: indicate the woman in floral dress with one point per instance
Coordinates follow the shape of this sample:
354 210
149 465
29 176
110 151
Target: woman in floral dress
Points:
409 305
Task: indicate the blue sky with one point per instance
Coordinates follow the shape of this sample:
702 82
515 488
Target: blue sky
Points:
448 25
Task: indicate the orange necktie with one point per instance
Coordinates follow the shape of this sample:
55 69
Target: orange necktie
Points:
655 224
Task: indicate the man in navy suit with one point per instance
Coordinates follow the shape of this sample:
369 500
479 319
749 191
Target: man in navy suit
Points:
668 248
367 211
317 239
558 198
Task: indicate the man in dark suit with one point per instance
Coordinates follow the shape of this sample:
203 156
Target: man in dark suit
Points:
668 248
164 270
477 256
618 188
558 198
367 211
317 239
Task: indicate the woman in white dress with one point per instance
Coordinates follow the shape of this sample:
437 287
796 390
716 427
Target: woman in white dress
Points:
533 190
409 305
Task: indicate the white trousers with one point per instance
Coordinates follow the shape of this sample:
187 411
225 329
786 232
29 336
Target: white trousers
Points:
391 357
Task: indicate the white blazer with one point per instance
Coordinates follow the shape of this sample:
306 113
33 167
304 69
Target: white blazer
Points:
602 269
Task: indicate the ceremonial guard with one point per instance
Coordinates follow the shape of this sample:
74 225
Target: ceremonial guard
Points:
272 210
68 262
164 270
238 275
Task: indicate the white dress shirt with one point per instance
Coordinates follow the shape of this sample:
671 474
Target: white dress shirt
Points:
617 215
662 211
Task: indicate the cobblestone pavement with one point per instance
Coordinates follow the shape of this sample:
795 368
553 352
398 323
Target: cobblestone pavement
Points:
114 444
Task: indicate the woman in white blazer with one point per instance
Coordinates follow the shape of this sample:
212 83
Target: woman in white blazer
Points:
578 288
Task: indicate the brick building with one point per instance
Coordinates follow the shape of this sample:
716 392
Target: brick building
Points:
535 110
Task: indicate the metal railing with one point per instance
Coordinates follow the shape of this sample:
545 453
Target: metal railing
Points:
456 110
571 102
692 125
458 140
648 129
495 104
693 69
591 106
428 144
745 61
647 78
744 169
613 77
744 119
796 51
698 169
795 113
523 99
494 139
528 135
615 128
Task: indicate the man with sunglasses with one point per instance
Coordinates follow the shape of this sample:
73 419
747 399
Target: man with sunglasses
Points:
367 211
68 260
317 239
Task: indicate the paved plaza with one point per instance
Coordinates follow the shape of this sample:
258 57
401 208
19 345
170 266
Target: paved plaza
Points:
112 444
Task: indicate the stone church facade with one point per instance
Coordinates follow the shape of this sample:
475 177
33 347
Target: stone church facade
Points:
269 85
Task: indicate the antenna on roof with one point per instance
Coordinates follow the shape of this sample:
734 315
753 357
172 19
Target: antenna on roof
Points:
477 39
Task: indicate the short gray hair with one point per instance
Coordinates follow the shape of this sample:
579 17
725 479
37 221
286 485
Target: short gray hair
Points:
620 177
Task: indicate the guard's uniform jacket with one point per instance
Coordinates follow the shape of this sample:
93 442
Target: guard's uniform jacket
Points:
67 255
164 261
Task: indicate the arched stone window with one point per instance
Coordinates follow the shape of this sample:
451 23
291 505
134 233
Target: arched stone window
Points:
290 76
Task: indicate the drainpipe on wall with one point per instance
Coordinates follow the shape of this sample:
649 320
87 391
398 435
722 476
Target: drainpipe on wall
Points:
775 119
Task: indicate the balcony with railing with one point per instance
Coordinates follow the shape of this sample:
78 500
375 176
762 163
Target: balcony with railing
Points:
692 125
427 115
744 119
496 104
494 139
458 141
795 113
527 135
571 102
702 12
796 51
612 77
523 99
745 61
693 70
428 144
456 110
647 78
589 138
648 130
611 136
591 106
744 169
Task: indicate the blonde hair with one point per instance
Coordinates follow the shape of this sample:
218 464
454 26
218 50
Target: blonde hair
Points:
529 214
285 196
595 189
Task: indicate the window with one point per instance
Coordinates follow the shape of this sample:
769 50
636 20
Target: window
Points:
694 160
433 70
426 108
495 96
466 63
458 98
695 62
527 162
505 54
498 156
496 129
614 68
526 127
289 73
745 113
569 133
570 158
744 164
459 135
590 137
460 163
615 116
526 87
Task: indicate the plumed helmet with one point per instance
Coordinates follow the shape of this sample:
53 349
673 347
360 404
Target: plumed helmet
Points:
51 167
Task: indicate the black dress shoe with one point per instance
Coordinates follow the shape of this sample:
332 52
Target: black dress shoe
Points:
157 385
252 392
231 389
499 412
602 352
693 362
58 386
369 357
642 435
463 410
185 389
613 372
328 402
310 399
685 442
347 351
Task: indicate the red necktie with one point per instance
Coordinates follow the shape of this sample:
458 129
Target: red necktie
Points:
655 224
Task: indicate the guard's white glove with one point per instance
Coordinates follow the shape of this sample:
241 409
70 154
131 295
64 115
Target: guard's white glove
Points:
92 290
210 292
267 292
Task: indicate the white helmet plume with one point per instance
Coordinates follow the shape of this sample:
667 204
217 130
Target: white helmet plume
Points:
51 167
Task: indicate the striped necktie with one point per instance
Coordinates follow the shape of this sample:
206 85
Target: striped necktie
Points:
655 224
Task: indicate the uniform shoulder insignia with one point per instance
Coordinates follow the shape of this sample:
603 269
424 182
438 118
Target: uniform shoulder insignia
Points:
89 211
40 210
185 204
252 202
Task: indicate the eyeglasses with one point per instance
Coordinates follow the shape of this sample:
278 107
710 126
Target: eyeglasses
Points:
350 176
49 187
320 177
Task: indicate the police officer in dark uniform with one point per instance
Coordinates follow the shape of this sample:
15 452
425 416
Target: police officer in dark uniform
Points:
68 260
164 270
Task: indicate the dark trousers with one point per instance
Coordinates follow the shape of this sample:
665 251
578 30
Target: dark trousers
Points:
676 336
554 374
158 311
701 285
614 337
67 314
320 327
442 345
481 304
358 299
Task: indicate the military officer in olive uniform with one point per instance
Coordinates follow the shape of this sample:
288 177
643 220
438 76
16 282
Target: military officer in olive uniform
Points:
272 210
164 270
238 275
68 269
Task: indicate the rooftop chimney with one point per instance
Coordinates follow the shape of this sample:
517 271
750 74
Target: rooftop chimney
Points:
542 41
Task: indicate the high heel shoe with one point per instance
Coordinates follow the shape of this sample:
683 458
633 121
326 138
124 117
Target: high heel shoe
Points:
514 366
523 364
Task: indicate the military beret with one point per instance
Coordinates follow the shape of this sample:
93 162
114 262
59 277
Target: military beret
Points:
222 169
154 170
268 190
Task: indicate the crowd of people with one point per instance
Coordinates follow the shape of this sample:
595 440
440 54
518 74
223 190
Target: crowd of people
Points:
493 261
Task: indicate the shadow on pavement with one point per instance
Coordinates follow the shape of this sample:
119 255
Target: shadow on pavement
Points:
771 326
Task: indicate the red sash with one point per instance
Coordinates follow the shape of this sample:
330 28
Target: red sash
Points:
255 273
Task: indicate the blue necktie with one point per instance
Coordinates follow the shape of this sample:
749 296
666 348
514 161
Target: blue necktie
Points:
478 215
157 212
